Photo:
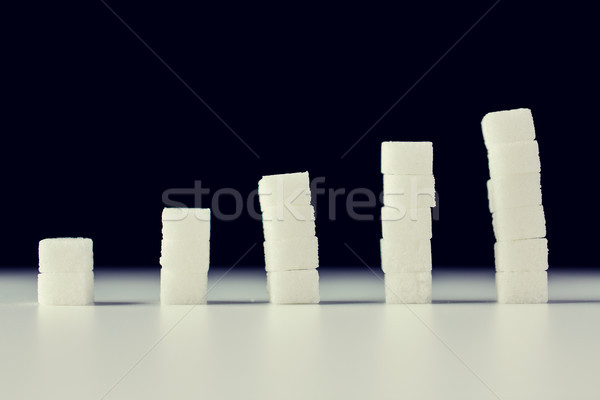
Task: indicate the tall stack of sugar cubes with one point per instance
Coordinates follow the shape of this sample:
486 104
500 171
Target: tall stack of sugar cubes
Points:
291 245
408 196
185 256
515 201
66 268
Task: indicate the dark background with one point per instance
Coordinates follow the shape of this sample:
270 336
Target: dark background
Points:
95 128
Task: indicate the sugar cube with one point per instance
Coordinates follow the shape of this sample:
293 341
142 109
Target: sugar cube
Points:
528 287
405 255
409 191
508 126
185 255
292 254
522 255
408 288
519 223
183 287
282 223
274 190
513 158
66 255
66 288
191 224
412 224
511 191
293 287
407 158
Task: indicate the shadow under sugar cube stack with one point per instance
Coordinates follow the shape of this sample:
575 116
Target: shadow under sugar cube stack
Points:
66 268
408 196
515 201
185 255
291 245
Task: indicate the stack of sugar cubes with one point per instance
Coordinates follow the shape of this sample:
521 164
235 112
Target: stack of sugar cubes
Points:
185 255
291 246
66 272
408 196
515 201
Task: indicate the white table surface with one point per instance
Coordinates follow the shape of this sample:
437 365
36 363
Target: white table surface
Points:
351 346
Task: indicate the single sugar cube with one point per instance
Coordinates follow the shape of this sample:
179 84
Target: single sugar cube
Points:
275 190
186 224
283 223
293 287
508 126
408 288
522 255
512 191
527 287
66 255
292 254
490 192
183 287
66 288
519 223
407 158
185 255
405 255
412 224
513 158
409 191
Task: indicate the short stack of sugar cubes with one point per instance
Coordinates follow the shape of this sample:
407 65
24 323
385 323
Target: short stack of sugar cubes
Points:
185 256
66 272
408 196
515 199
291 245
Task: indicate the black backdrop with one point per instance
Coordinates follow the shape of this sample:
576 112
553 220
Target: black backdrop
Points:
95 127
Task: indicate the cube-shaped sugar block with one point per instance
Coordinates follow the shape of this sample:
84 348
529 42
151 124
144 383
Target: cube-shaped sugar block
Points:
490 192
66 255
66 288
405 255
508 126
511 191
522 255
185 255
292 254
407 158
412 224
513 158
293 287
527 287
408 288
275 190
409 191
283 223
519 223
191 224
183 287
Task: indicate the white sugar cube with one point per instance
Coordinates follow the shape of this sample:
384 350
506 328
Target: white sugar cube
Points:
405 255
409 191
66 255
293 287
490 192
292 254
408 288
191 224
508 126
283 223
522 255
183 287
519 223
413 224
522 287
274 190
407 158
512 191
185 255
513 158
66 288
